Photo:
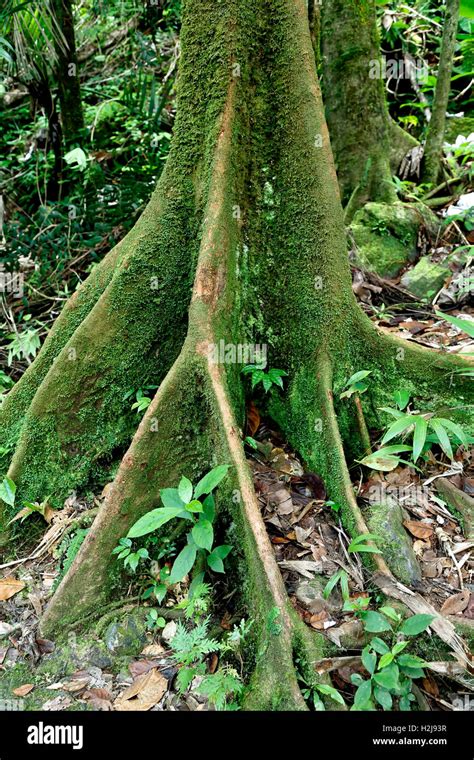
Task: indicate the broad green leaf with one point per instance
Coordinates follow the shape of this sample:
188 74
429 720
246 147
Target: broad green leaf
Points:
416 624
442 437
183 563
194 506
398 427
374 622
411 661
401 398
390 613
331 692
412 672
222 551
388 677
185 490
203 534
76 157
211 480
369 660
171 498
456 429
379 645
463 324
7 491
153 520
419 436
399 647
357 376
215 563
385 660
363 694
209 508
383 697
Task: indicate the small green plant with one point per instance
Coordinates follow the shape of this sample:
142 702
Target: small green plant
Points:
355 384
154 620
68 550
340 578
142 400
465 325
23 345
190 648
336 508
196 604
391 670
267 379
359 544
187 502
408 424
8 491
130 558
312 693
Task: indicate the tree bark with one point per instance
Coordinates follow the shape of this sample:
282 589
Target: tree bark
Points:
67 76
436 127
356 108
243 241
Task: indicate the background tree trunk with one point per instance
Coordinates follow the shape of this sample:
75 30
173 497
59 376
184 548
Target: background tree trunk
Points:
436 127
67 76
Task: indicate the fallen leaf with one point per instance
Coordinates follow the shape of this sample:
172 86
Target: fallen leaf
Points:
78 684
253 419
304 567
456 603
9 587
22 691
102 694
153 650
418 529
144 693
138 667
469 611
430 685
318 621
45 646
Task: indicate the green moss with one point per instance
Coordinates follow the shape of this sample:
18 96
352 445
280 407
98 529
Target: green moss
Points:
386 236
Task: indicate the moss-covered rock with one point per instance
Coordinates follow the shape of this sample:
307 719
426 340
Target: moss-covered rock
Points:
386 521
426 278
386 235
463 125
126 636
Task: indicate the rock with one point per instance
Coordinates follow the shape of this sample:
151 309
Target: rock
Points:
169 631
425 279
126 637
386 236
458 125
386 521
310 595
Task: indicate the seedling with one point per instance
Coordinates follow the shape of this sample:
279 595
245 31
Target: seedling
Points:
391 670
340 578
187 502
355 384
154 620
130 559
418 425
267 379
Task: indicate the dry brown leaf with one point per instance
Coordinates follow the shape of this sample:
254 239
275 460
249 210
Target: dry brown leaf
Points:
102 694
138 667
144 693
9 587
78 684
317 621
456 603
22 691
153 650
253 419
418 529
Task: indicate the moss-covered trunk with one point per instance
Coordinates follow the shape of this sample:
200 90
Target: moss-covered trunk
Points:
436 127
242 242
356 110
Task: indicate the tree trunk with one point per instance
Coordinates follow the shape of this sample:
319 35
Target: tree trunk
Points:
67 76
243 241
436 127
356 108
